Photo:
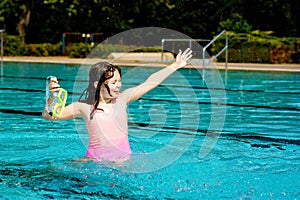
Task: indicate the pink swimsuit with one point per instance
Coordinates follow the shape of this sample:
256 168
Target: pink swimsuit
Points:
108 134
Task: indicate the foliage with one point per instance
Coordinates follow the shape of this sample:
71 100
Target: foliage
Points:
79 50
43 22
256 47
104 50
197 19
148 49
45 49
236 24
13 46
83 50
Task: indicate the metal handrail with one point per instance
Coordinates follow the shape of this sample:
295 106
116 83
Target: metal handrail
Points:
215 56
211 42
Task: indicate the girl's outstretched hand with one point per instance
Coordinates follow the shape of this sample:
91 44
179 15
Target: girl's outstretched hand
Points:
182 58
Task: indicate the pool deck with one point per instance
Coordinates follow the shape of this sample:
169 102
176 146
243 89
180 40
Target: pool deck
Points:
198 64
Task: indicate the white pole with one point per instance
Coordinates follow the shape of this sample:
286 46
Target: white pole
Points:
162 49
226 58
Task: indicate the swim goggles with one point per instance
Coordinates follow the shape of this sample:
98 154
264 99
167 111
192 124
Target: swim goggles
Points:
55 103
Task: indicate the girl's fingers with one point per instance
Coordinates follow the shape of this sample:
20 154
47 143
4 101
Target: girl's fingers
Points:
179 53
187 51
182 58
187 54
189 57
54 86
54 89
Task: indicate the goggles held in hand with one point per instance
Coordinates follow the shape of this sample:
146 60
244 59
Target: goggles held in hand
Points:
55 102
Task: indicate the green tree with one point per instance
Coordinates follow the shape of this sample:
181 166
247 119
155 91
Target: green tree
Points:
17 13
236 24
280 16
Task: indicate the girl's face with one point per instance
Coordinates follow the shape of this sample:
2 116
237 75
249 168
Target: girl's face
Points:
114 84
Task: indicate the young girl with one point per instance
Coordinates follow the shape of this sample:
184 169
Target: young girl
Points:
104 108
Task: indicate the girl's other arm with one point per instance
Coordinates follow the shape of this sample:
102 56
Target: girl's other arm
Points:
71 111
157 78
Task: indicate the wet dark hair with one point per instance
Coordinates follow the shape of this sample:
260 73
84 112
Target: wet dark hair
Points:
100 72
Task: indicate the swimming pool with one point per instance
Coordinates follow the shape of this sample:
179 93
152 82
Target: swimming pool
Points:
256 155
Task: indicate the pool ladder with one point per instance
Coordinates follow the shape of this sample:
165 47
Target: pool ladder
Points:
212 58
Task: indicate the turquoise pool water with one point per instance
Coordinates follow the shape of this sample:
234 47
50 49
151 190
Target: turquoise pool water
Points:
256 156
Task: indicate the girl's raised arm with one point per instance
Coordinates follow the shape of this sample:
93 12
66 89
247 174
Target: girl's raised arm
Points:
157 78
